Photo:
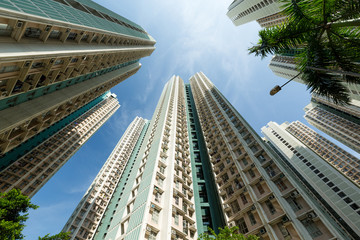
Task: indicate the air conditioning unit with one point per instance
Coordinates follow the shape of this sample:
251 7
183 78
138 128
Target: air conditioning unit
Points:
271 197
27 64
19 24
253 165
285 219
253 208
262 231
173 232
294 194
148 229
311 215
47 28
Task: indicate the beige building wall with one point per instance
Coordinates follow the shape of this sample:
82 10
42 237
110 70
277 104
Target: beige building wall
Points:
343 130
244 11
259 195
341 160
57 58
34 169
85 219
337 191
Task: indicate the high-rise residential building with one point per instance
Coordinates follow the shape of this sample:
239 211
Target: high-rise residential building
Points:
199 164
260 191
339 122
336 193
352 110
57 56
84 221
341 160
284 65
266 12
42 156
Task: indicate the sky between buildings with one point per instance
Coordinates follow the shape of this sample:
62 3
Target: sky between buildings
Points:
191 36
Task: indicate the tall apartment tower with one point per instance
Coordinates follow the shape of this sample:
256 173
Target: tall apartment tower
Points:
199 164
336 193
259 192
284 65
266 12
35 167
337 157
84 221
339 122
57 56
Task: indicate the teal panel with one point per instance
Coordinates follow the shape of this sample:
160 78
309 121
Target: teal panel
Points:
121 194
62 12
208 208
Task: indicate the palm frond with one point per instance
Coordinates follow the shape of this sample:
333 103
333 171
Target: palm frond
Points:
327 86
345 10
279 38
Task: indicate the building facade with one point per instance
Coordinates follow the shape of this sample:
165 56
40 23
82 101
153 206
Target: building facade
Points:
284 65
84 221
265 12
57 56
340 122
341 160
259 193
199 164
35 167
335 192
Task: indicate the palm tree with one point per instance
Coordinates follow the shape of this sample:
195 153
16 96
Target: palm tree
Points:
328 33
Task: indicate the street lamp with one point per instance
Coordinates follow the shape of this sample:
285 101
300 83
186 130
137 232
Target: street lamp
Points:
277 88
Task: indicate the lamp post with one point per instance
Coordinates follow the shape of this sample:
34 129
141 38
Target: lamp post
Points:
277 88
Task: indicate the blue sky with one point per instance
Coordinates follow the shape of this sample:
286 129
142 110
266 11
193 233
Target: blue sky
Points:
191 36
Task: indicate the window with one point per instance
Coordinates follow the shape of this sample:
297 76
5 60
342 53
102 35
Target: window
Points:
341 194
260 188
176 219
270 207
235 206
155 215
245 161
281 185
311 227
283 230
243 198
251 218
242 226
354 206
152 235
251 173
295 205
